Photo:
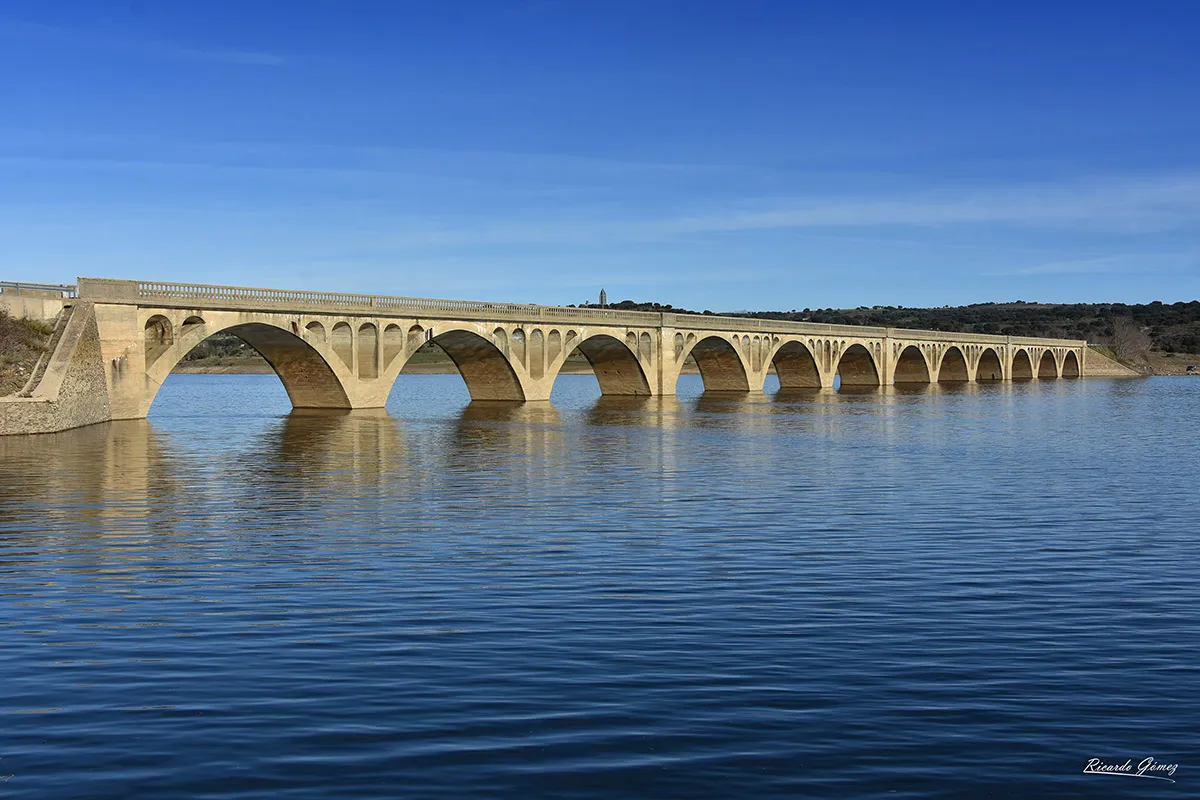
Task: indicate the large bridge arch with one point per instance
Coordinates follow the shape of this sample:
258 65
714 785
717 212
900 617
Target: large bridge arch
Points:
1070 365
615 363
1047 366
310 377
796 366
952 368
989 367
721 365
912 366
856 366
484 362
1022 365
488 373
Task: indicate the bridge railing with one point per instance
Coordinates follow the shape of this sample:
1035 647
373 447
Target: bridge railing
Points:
199 296
24 287
191 295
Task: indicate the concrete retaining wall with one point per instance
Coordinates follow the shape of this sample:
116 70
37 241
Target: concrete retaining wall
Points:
27 304
1101 366
73 390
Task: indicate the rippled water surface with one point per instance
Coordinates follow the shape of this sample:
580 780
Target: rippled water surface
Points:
962 593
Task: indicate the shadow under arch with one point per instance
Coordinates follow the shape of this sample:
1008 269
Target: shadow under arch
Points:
989 367
911 367
1047 367
615 365
309 380
796 367
857 368
1070 365
1022 366
483 367
720 365
954 367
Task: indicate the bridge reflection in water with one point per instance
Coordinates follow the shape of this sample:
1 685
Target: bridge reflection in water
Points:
169 495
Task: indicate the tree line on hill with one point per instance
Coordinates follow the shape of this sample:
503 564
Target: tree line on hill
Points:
1129 329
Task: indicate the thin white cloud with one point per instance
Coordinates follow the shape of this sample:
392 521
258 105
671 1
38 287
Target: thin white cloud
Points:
1117 264
1131 204
688 200
1119 205
53 34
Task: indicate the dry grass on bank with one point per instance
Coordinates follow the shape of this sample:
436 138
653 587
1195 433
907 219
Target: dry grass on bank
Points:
1171 363
21 342
1154 362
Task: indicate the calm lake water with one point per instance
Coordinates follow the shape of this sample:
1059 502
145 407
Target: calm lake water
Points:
956 593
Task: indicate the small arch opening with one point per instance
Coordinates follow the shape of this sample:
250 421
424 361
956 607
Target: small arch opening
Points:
368 357
517 346
342 341
159 336
537 354
314 332
393 345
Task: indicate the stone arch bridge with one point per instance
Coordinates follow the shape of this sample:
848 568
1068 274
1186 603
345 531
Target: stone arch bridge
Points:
345 350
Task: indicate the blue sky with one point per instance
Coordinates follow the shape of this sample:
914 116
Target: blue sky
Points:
723 155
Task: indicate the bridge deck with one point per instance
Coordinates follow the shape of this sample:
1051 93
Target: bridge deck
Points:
241 298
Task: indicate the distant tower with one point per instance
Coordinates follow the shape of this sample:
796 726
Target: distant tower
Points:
603 298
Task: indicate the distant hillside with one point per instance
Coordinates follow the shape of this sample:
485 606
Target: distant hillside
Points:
1171 328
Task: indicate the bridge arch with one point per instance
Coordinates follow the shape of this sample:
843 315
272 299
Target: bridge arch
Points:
953 366
341 339
368 345
615 363
393 345
912 366
315 332
989 367
1022 365
310 378
1070 365
1047 366
720 363
856 367
796 366
158 337
485 368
